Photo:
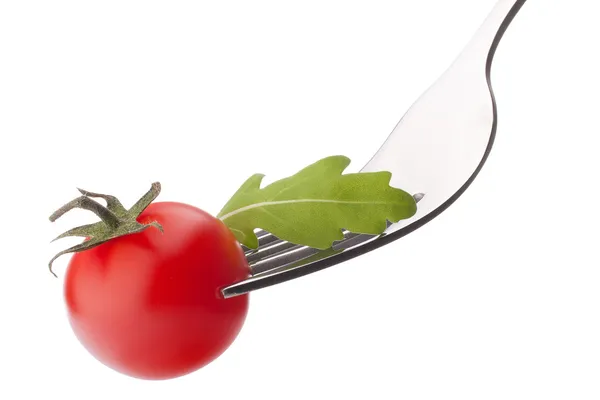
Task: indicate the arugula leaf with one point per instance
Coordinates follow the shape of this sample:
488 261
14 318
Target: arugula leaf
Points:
312 207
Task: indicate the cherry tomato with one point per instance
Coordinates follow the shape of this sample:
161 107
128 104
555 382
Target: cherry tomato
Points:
148 304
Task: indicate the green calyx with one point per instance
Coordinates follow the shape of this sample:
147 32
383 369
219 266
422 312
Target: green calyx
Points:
115 219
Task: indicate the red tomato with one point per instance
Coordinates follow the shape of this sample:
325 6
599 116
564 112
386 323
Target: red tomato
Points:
149 304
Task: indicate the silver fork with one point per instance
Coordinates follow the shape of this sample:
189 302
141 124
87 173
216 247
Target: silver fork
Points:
436 150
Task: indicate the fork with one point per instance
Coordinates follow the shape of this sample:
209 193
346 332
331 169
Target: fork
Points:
436 151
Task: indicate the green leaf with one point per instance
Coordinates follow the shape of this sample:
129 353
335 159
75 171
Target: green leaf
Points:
312 207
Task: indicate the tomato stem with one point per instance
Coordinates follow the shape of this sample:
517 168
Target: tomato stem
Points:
115 219
87 203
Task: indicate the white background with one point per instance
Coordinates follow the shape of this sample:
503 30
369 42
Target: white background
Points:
497 298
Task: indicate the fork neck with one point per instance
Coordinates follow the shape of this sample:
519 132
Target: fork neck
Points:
491 31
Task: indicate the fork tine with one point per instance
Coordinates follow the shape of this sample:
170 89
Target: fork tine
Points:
270 251
281 248
283 259
261 233
265 239
296 253
264 242
353 240
299 253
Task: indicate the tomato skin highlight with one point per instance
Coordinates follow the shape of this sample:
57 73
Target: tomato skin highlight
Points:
149 304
